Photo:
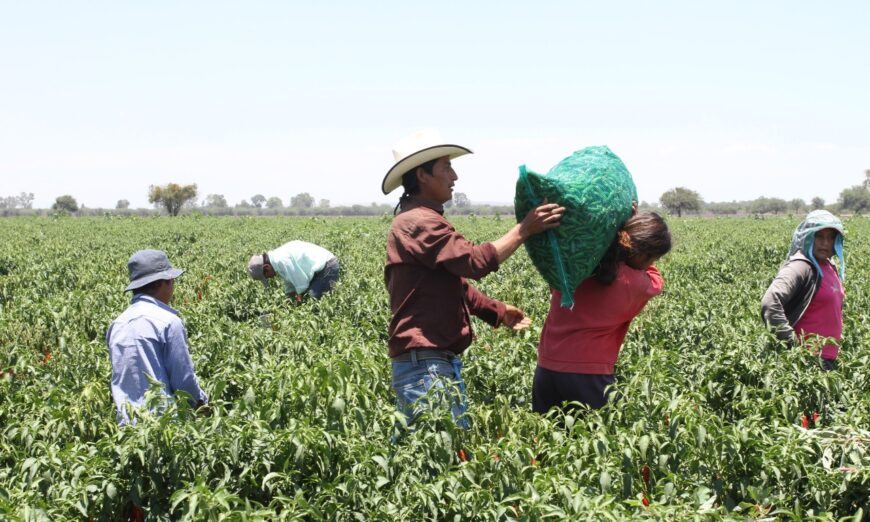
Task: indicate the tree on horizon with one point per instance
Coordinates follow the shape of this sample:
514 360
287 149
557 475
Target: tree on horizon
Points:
302 200
681 199
65 203
215 201
171 196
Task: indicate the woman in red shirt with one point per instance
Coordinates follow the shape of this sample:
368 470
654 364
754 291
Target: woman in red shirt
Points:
579 346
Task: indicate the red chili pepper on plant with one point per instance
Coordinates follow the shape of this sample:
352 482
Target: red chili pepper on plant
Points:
804 422
645 501
136 513
645 473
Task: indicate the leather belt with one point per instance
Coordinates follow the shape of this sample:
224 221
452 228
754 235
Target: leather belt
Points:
425 354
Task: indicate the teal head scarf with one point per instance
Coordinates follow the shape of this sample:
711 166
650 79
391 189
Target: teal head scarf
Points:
805 235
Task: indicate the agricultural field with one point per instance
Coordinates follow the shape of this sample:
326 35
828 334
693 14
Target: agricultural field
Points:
715 420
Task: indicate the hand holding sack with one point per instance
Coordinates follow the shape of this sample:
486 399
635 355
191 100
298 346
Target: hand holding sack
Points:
597 192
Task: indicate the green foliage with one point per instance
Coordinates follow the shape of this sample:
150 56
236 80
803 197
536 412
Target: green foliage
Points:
765 205
681 199
460 200
723 209
302 200
215 201
797 205
257 200
172 196
65 203
856 199
709 425
23 200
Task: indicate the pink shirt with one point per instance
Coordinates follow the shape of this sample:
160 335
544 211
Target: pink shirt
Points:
587 338
824 315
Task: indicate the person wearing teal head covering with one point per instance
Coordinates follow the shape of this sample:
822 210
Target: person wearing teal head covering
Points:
805 300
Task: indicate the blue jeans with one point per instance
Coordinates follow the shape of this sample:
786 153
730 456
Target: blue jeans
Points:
324 280
420 383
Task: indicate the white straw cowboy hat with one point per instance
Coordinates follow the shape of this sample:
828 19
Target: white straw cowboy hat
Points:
415 150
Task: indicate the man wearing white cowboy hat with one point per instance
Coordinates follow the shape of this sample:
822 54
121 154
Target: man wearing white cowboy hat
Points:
427 270
149 339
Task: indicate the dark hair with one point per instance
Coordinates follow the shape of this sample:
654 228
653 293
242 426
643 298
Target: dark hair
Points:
410 184
149 289
645 233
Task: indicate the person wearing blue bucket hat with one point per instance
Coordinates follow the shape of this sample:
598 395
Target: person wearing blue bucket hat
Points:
804 303
147 266
148 341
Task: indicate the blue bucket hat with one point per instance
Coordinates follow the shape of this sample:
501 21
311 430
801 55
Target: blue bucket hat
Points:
147 266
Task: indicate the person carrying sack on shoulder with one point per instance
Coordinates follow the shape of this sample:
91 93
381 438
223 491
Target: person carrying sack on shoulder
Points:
303 268
579 346
427 274
805 300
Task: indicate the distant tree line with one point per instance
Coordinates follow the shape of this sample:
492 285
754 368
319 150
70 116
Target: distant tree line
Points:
682 200
23 200
175 199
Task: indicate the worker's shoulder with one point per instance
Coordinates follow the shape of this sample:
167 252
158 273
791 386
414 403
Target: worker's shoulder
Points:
417 219
144 312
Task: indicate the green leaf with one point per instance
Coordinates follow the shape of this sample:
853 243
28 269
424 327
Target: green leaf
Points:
604 480
644 445
382 462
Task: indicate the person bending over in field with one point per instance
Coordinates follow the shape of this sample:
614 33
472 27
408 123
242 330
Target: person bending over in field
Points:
579 346
149 339
303 267
805 300
427 270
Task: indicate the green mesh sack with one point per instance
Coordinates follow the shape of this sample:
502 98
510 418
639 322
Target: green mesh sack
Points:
597 192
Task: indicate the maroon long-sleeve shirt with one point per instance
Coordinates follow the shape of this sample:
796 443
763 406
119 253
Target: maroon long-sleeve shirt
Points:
428 263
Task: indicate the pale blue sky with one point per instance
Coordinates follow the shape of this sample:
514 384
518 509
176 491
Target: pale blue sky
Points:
733 99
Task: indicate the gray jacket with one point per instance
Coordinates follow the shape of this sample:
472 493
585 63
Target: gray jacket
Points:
789 295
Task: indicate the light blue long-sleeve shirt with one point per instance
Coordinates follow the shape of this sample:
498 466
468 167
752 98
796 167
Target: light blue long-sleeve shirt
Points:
297 262
149 338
